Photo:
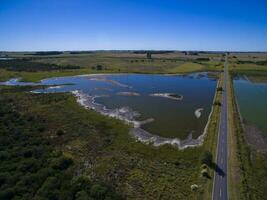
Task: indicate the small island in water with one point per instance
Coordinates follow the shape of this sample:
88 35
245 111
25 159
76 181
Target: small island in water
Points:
168 95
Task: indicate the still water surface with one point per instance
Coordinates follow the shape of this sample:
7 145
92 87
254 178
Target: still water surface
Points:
252 101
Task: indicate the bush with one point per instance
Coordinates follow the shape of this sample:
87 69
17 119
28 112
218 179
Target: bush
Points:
204 166
49 189
80 183
3 178
60 132
219 89
3 155
194 187
99 191
99 67
217 103
82 195
62 163
204 173
7 194
207 158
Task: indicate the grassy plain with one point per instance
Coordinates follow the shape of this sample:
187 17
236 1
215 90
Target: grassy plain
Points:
116 62
251 64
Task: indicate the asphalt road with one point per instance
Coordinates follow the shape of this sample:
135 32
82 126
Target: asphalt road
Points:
220 180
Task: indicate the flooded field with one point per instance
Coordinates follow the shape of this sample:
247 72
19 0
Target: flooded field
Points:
164 106
252 100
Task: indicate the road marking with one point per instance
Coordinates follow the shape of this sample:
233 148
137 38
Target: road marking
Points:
219 179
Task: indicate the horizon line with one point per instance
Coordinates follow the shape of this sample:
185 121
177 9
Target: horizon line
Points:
171 50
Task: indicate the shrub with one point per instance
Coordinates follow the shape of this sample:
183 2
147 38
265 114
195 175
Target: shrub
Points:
219 89
80 183
204 173
49 189
7 194
62 163
60 132
3 178
99 67
82 195
194 187
3 155
207 158
217 103
99 191
204 166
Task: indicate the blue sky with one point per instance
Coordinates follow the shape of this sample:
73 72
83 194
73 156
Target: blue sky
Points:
133 24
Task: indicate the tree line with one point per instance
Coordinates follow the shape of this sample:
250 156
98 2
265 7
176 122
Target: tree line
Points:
29 66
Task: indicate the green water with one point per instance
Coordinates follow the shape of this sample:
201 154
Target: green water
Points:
252 101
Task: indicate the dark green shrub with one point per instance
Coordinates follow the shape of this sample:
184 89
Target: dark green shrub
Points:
219 89
99 67
207 158
99 191
82 195
49 189
7 194
80 183
217 103
62 163
60 132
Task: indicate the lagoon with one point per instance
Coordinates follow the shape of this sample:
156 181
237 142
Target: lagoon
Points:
169 106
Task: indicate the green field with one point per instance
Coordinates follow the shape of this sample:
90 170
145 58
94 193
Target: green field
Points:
114 62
